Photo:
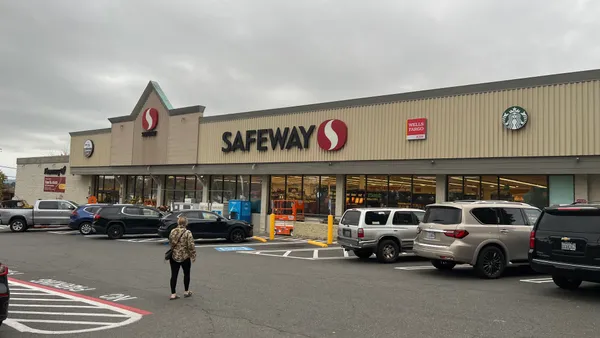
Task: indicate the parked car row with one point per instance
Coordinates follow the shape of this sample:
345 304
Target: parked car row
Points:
117 220
488 235
562 241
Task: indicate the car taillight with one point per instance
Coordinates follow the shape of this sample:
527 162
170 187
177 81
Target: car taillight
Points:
96 217
532 240
74 213
456 233
3 270
361 233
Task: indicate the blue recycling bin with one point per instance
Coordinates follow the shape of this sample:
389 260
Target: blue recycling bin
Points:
240 210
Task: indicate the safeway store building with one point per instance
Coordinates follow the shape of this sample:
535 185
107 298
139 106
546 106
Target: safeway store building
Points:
533 140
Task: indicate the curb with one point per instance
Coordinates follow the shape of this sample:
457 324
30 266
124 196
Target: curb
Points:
321 244
260 239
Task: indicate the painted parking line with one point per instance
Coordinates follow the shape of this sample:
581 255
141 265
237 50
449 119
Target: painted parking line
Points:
330 253
46 310
538 280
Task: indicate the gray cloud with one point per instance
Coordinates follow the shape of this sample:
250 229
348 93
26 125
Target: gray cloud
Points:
69 65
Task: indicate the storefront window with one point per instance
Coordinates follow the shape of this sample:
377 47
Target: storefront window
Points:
400 191
106 189
139 188
169 189
294 188
377 191
277 188
229 186
454 188
355 191
130 195
562 189
179 191
528 189
311 195
148 192
327 195
243 188
190 188
471 186
255 193
531 189
489 188
423 191
216 189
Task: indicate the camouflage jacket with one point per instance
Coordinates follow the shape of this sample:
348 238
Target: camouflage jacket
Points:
183 248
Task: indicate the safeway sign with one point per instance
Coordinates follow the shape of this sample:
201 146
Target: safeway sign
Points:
416 129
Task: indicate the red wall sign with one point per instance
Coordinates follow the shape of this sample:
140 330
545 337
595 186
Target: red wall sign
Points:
332 135
54 183
149 119
416 129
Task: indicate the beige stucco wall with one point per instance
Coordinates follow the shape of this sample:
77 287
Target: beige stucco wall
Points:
563 120
183 139
151 150
30 183
121 147
102 150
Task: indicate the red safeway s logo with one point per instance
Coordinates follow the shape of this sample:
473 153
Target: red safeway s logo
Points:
332 135
149 119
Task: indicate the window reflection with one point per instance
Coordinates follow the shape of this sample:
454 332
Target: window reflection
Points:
355 191
377 191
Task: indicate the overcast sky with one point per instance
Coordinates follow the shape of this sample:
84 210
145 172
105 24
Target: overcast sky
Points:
69 65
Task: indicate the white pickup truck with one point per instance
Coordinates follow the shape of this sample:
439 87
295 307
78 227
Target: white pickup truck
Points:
45 213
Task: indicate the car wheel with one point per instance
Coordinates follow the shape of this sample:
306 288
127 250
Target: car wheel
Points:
388 251
566 283
115 231
490 263
237 235
362 253
85 228
18 225
443 265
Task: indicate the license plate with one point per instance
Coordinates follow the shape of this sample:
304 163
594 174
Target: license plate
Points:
429 235
568 246
346 232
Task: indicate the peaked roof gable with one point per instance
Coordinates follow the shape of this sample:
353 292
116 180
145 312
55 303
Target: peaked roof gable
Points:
153 86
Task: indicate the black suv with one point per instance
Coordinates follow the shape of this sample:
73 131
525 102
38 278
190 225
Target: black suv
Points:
118 220
565 243
206 224
4 292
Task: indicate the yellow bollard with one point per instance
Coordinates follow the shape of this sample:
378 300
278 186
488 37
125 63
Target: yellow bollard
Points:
330 229
272 227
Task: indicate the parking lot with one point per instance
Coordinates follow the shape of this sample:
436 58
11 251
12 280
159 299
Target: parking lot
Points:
70 285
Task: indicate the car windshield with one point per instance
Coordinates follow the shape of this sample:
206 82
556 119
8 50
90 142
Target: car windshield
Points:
442 215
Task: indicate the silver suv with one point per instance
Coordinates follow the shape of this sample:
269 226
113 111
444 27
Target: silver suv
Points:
488 235
383 231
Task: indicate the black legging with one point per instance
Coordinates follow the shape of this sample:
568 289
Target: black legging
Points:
186 265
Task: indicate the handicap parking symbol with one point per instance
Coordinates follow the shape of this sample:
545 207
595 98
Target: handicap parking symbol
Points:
234 248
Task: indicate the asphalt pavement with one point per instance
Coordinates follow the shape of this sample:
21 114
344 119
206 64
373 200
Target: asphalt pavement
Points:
74 286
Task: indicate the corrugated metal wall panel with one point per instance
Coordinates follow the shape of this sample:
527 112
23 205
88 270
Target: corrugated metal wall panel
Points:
562 121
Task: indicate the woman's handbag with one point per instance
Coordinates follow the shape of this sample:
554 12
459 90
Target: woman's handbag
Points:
169 253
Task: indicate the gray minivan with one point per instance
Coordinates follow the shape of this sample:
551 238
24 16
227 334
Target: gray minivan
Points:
385 232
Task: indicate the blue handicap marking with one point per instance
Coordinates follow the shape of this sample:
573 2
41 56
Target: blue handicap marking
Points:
234 248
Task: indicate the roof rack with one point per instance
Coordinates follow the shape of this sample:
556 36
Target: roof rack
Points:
490 202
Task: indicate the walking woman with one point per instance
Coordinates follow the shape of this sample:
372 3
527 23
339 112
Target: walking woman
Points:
183 255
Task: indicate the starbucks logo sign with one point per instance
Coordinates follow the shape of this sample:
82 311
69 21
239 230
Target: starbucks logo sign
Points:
514 118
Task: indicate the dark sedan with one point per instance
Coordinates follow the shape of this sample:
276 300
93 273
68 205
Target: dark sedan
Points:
206 224
4 292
